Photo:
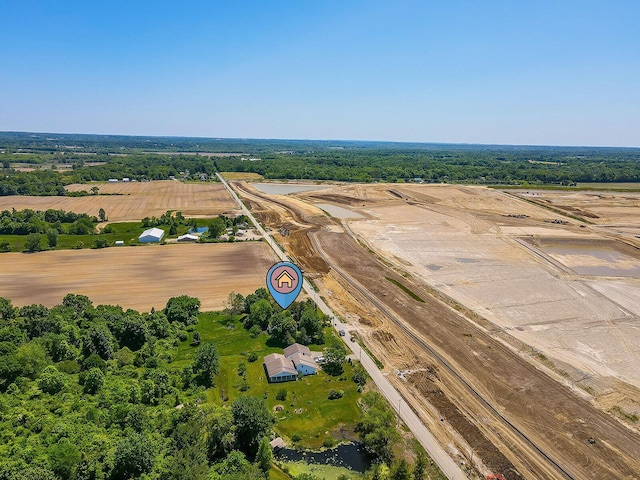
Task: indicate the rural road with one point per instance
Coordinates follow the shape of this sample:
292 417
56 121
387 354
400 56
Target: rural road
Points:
448 467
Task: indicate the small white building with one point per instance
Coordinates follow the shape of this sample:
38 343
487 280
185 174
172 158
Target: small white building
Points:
113 180
187 237
126 179
151 235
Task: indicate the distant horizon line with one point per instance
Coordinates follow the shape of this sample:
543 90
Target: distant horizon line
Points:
409 142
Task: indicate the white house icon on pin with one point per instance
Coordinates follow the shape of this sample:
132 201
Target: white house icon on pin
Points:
284 279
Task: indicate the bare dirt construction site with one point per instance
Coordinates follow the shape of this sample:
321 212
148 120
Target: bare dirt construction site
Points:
132 201
137 277
510 327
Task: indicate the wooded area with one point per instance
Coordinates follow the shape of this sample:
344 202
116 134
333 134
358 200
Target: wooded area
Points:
99 158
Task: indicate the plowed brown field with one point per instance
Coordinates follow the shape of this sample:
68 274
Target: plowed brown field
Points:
137 277
132 201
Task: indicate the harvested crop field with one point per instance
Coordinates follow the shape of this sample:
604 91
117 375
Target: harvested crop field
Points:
132 201
137 277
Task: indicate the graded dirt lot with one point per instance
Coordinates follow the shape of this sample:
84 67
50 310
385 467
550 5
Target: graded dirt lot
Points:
137 277
480 298
132 201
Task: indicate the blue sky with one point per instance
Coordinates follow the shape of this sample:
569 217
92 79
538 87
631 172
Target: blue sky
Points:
514 72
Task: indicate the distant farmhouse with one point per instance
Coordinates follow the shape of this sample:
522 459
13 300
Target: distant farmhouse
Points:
151 235
297 359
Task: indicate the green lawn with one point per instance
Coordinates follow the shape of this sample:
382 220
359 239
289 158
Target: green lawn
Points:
326 472
307 412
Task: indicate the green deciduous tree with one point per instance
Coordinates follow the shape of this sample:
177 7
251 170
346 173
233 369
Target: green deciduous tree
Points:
377 428
259 314
134 456
216 227
33 243
93 381
253 421
264 457
32 358
420 466
206 364
183 309
51 380
52 237
99 340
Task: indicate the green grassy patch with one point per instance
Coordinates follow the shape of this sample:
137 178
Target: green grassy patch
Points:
326 472
405 290
306 412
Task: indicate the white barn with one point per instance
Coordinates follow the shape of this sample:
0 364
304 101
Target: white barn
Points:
151 235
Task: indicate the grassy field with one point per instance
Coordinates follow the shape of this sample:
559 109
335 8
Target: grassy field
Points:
307 413
326 472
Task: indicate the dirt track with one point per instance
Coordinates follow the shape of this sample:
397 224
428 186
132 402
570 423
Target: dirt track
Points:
552 417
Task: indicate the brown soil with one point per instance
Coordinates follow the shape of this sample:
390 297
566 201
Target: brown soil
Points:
134 200
137 277
489 393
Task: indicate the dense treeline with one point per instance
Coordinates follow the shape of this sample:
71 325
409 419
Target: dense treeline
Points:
531 166
120 157
90 392
28 221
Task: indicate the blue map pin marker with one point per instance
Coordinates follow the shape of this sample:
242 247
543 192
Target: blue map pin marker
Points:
284 282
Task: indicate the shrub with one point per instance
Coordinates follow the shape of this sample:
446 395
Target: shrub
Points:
282 394
335 394
252 357
296 437
255 331
328 442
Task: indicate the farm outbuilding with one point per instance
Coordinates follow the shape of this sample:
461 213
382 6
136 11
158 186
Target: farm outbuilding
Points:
151 235
187 237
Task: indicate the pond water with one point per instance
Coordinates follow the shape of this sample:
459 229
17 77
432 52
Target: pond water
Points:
349 455
338 212
285 188
595 260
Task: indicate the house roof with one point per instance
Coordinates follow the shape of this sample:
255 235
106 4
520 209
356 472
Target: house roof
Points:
296 348
300 359
277 364
187 237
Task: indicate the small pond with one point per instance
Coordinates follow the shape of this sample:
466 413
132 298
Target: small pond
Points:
349 455
285 188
